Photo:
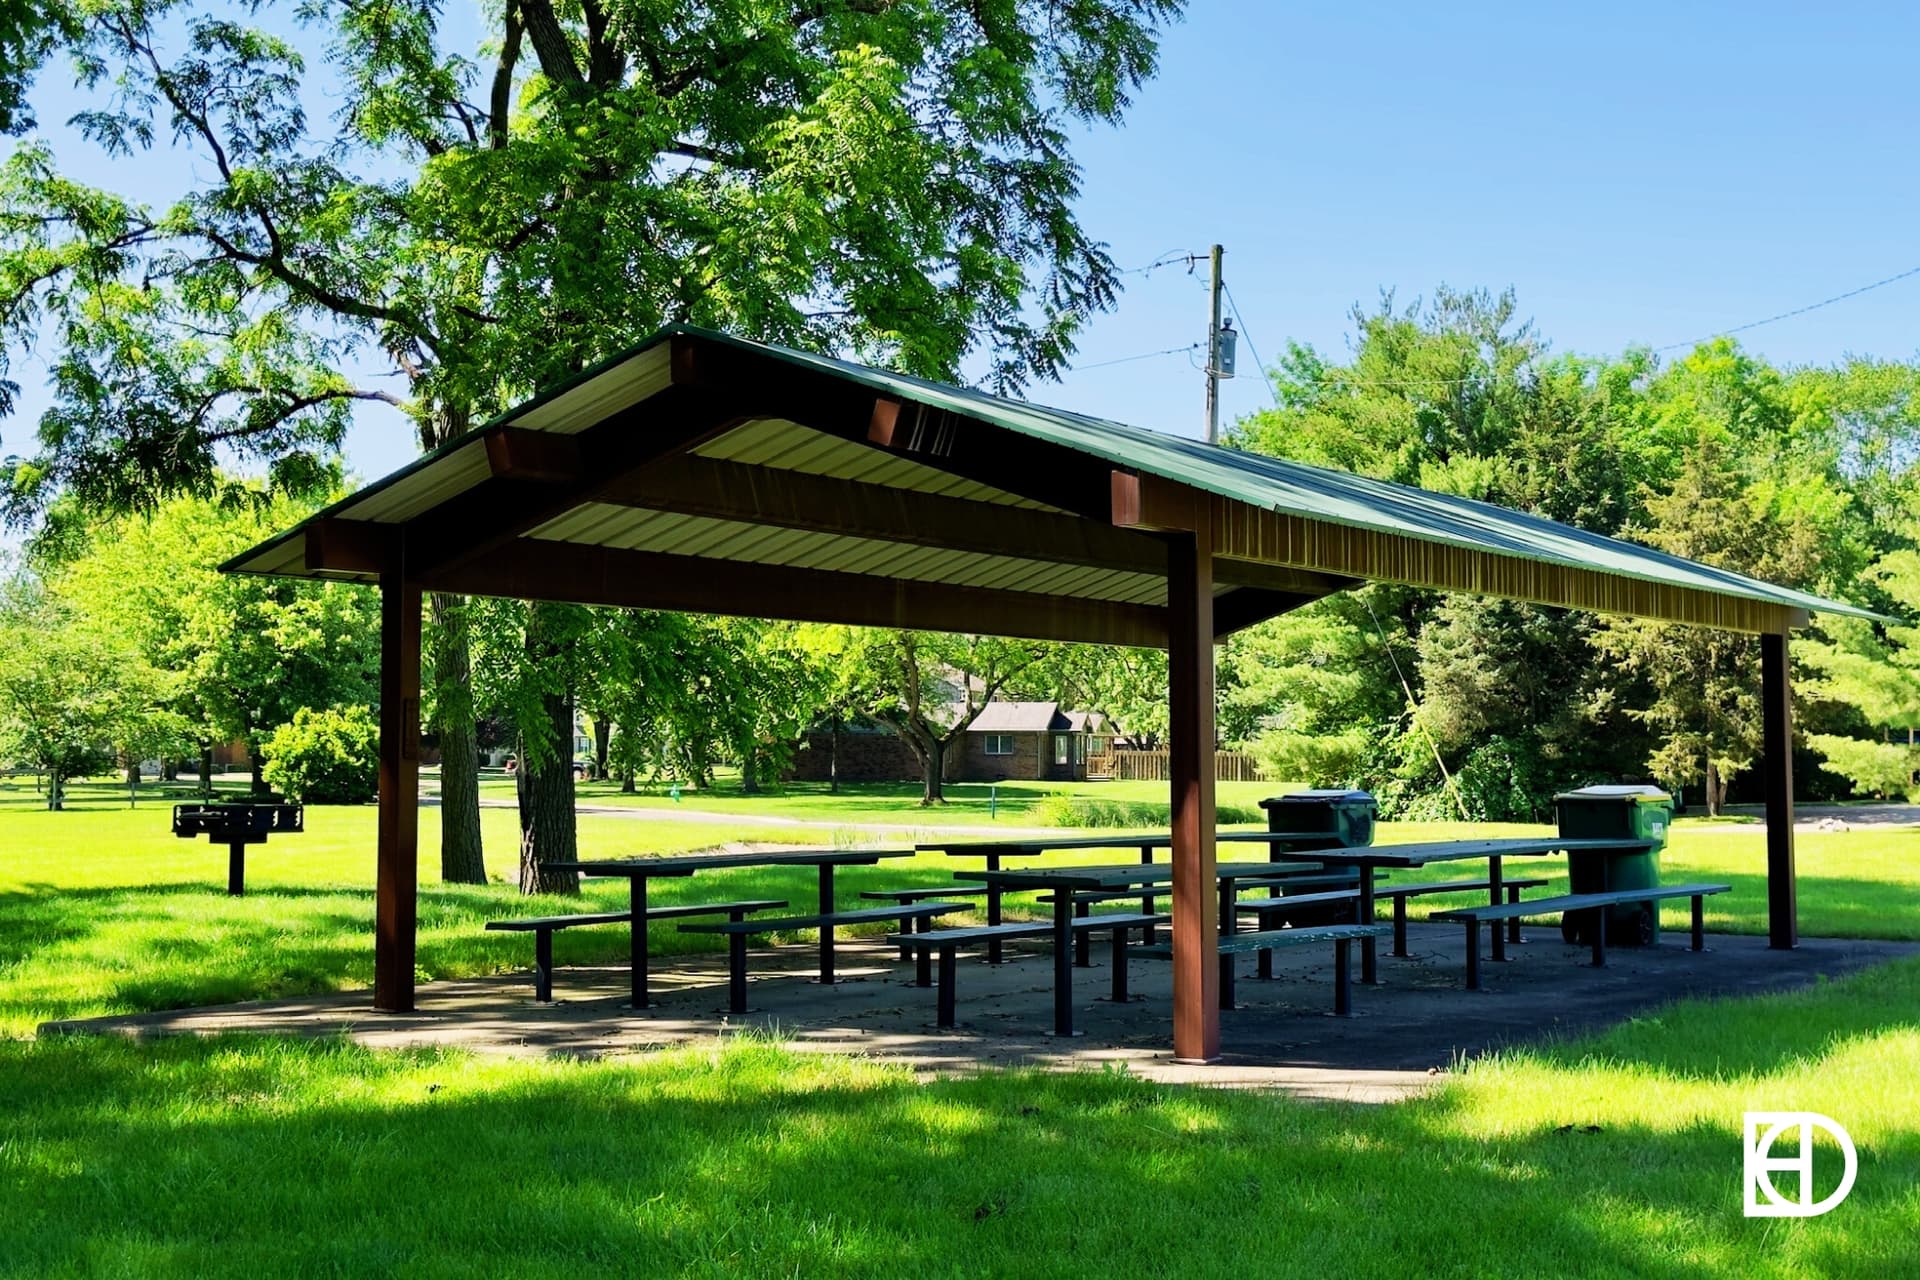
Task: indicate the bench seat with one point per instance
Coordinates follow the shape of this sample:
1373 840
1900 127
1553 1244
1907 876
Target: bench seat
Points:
1474 917
1342 936
921 894
543 928
738 931
1401 892
947 942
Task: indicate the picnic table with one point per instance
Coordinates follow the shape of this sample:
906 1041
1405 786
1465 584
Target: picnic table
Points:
1146 842
637 871
1376 857
1064 882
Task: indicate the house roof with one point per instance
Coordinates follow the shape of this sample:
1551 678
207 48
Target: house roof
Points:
703 472
1019 717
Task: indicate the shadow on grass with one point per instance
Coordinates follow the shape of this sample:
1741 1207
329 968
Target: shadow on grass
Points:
280 1157
67 952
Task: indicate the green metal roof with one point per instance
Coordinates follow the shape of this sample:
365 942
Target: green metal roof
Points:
1272 484
1318 493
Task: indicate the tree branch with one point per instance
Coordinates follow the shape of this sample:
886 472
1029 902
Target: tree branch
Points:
500 102
550 43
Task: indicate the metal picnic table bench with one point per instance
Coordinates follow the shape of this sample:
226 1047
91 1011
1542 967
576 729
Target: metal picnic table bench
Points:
1063 882
993 850
1375 857
637 871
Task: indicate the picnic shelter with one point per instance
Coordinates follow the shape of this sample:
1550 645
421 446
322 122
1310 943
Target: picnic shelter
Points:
702 473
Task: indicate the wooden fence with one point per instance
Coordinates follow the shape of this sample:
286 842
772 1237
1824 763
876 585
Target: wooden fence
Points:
1155 766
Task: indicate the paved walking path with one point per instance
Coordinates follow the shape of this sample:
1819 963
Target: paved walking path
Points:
1409 1032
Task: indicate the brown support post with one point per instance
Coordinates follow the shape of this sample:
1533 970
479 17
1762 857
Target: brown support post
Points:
1196 968
397 874
1776 701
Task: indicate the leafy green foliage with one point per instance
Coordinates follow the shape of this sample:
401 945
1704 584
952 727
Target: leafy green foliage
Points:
73 695
244 654
1099 813
1787 476
884 179
326 757
928 687
1874 669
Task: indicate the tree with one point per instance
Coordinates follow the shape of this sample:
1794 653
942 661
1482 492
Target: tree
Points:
1874 669
72 693
524 666
243 654
1706 708
886 179
927 687
28 30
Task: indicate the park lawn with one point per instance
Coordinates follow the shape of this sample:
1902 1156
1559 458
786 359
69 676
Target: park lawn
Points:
1614 1155
103 911
1863 883
891 803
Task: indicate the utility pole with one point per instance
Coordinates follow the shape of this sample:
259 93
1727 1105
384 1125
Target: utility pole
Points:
1213 349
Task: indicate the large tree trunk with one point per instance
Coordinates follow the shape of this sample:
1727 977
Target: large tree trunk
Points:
1715 789
750 772
56 790
206 768
833 758
547 832
545 780
933 766
462 855
602 745
628 783
257 763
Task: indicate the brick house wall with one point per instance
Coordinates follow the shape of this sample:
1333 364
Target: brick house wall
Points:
1031 761
864 757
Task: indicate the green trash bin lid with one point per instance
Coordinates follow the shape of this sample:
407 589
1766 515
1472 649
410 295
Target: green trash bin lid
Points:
1638 793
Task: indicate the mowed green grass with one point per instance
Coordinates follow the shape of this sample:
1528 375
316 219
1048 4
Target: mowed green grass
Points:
102 911
1863 883
887 803
1613 1156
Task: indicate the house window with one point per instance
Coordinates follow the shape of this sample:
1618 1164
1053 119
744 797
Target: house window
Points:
999 744
1063 748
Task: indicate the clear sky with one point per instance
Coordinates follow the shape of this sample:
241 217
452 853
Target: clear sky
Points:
1640 173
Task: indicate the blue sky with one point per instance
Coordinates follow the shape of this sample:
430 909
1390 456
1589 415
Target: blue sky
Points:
1639 173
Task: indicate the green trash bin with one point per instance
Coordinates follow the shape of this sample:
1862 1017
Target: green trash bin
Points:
1347 816
1615 813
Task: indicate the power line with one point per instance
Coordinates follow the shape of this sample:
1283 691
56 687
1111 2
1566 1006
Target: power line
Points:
1797 311
1168 259
1144 355
1253 351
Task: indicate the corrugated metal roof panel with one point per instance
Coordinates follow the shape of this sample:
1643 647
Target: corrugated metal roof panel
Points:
1325 500
635 529
789 446
427 487
620 386
1316 493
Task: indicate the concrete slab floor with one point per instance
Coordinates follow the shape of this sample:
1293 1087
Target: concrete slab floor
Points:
1406 1033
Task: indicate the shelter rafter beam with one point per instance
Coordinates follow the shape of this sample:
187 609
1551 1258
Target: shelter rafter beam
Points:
531 569
720 490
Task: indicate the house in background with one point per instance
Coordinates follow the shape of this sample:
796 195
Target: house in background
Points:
1031 742
1025 741
859 750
